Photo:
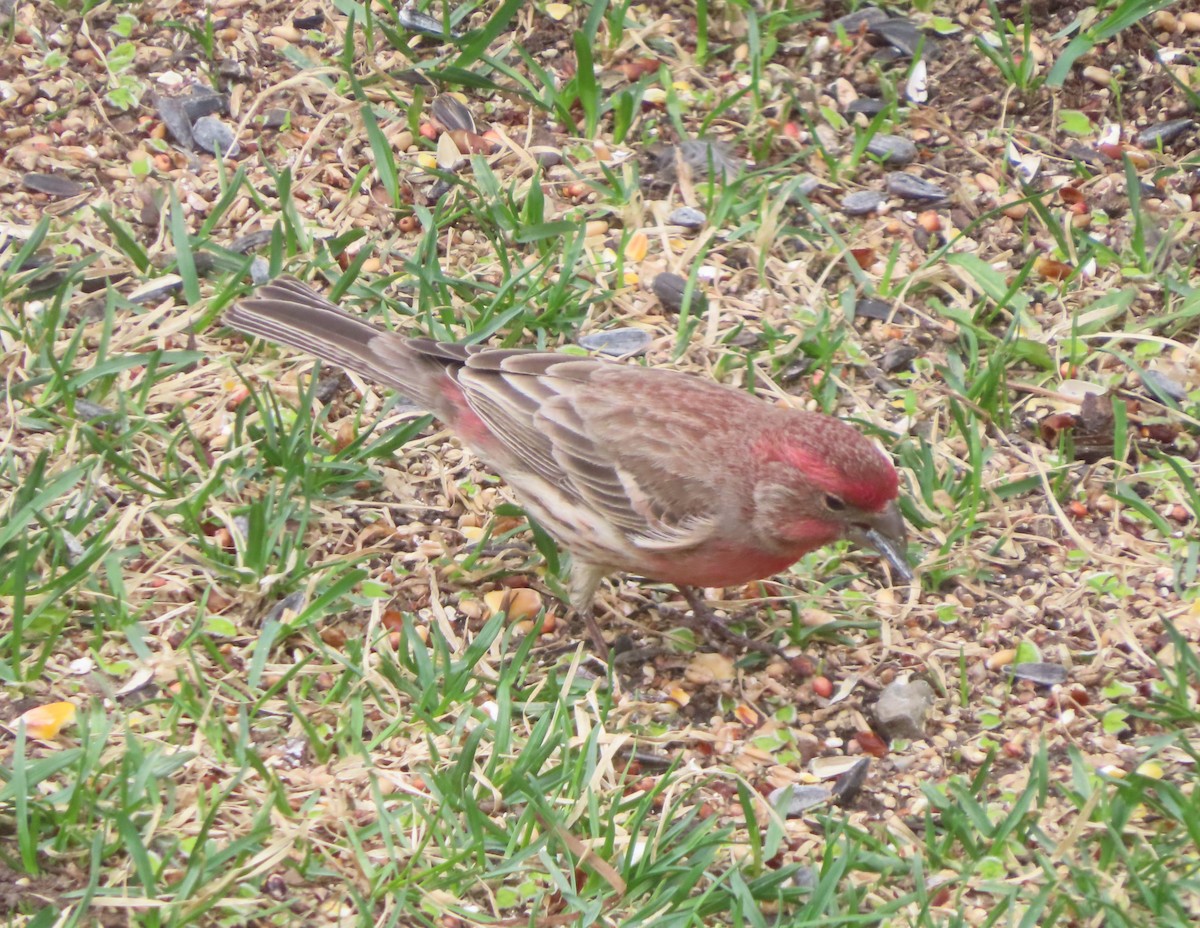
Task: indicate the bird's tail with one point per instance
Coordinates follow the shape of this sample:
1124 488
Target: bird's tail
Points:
290 313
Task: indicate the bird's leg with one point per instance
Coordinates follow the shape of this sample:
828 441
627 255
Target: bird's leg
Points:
704 618
594 633
584 579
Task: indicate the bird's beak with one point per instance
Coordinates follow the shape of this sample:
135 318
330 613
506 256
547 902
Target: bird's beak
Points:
887 534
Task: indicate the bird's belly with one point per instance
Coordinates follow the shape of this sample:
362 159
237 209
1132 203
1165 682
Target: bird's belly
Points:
720 565
714 563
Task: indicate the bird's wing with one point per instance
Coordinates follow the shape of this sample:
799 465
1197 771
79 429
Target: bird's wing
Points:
557 421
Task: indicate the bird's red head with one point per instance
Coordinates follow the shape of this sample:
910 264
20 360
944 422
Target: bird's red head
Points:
819 480
832 456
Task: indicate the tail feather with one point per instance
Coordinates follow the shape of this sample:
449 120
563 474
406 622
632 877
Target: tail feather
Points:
290 313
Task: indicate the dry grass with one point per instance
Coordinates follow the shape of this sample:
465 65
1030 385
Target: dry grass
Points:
267 596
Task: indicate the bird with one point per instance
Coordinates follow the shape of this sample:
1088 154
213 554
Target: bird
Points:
661 474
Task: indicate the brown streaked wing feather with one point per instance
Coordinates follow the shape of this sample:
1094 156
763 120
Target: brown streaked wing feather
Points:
450 353
527 400
592 470
533 363
506 387
508 415
669 469
606 470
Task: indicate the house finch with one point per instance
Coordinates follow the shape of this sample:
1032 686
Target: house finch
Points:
658 473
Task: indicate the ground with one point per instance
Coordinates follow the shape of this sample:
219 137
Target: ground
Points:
259 617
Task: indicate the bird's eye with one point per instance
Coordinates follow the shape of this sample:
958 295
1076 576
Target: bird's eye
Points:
834 503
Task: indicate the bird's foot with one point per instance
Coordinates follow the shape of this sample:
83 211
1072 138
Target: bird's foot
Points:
615 657
704 619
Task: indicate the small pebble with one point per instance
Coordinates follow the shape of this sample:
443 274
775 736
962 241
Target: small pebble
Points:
251 241
687 217
702 156
86 409
170 111
793 801
215 136
805 878
231 69
546 156
1089 156
901 708
276 118
202 101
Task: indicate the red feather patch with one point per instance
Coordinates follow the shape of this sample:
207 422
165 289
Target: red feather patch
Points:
844 463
